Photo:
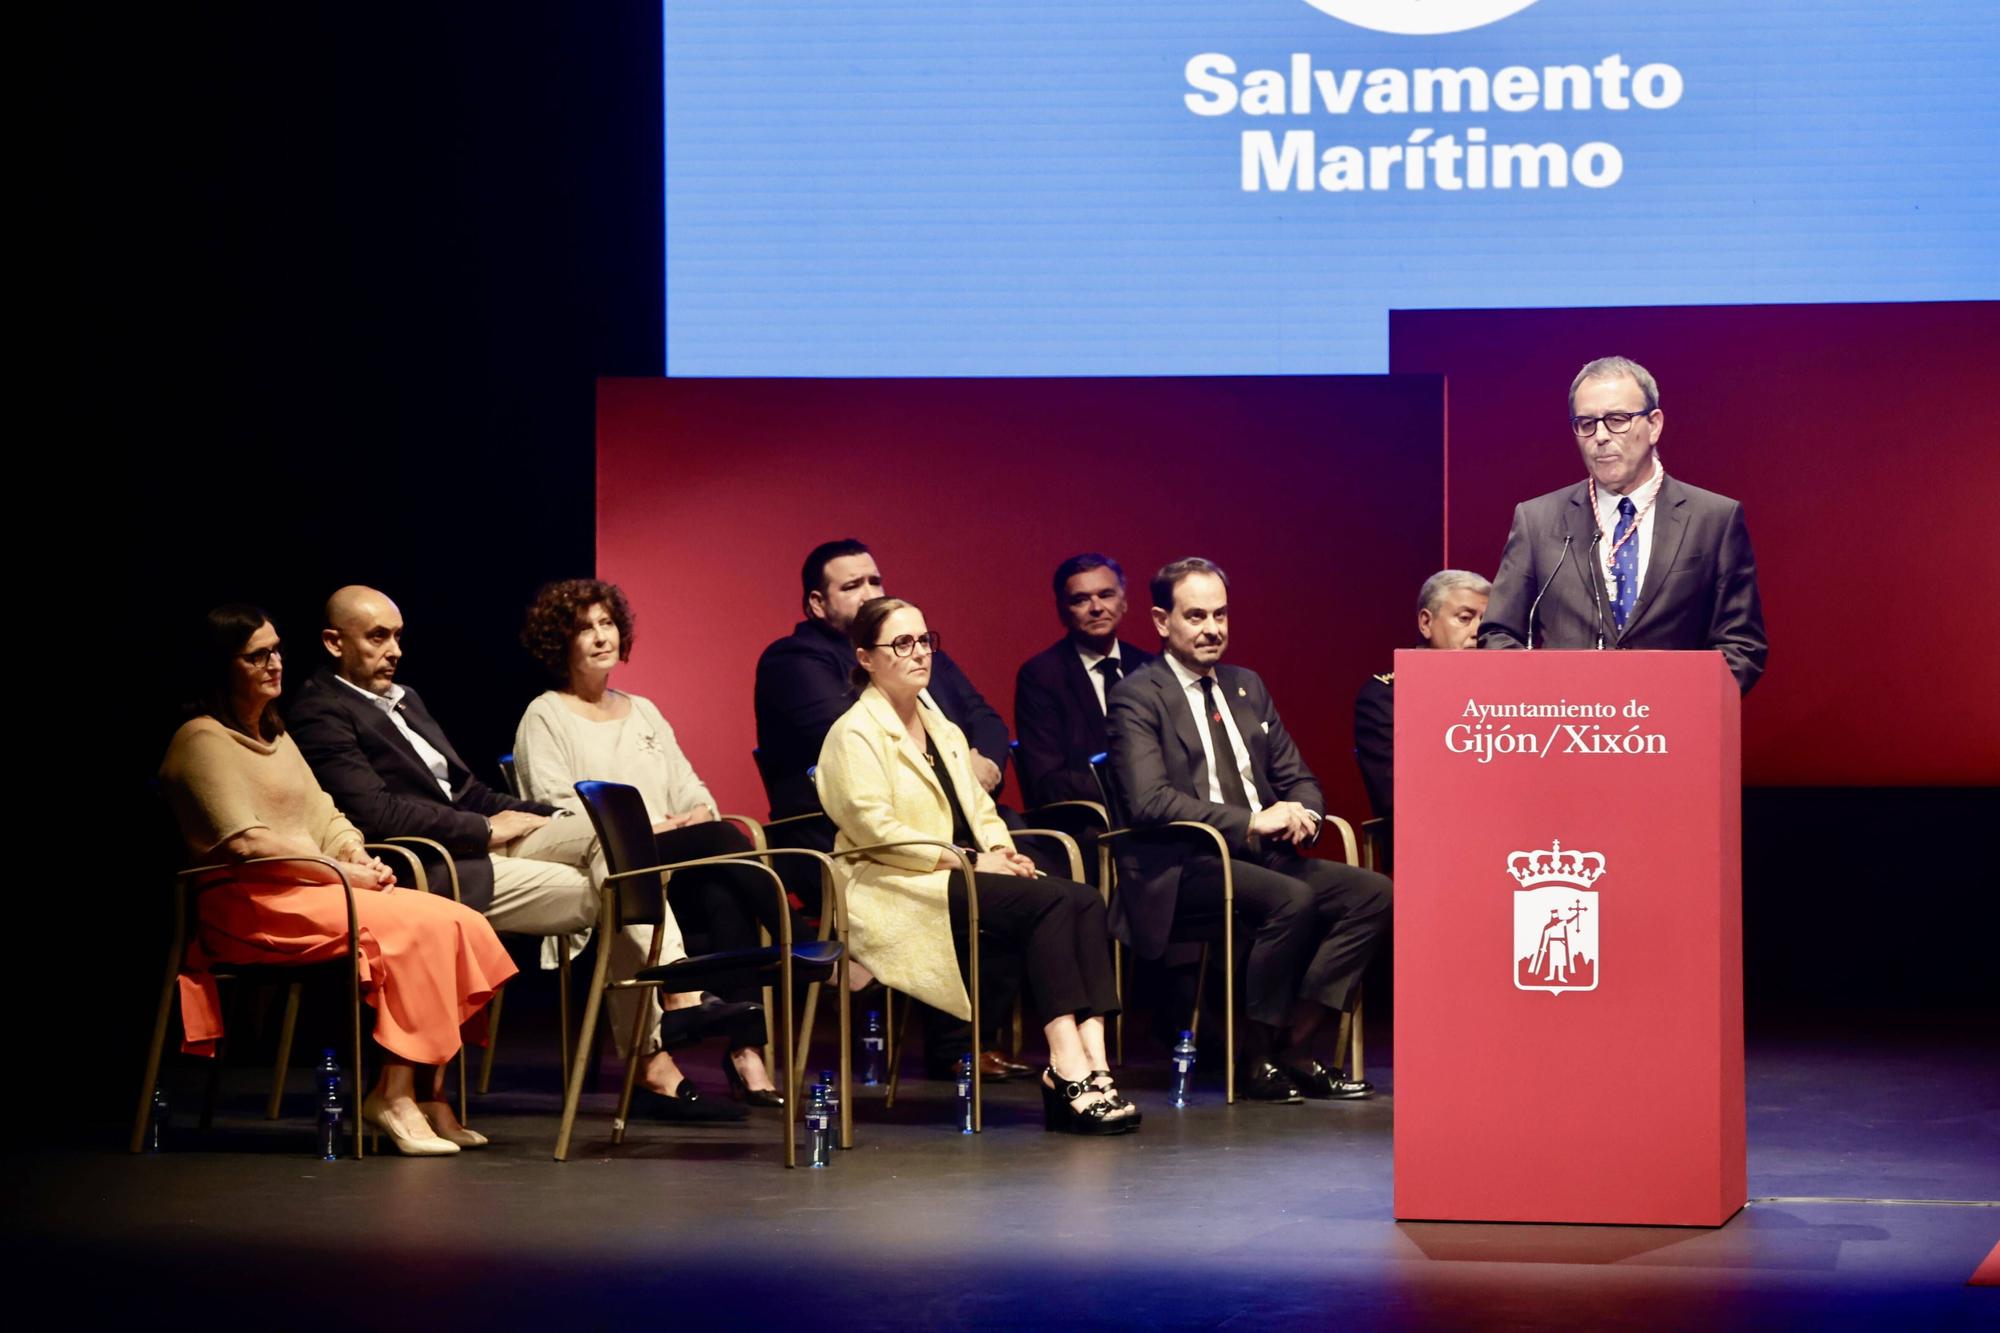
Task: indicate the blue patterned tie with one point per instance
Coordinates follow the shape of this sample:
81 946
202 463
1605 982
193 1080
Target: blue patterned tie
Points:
1625 565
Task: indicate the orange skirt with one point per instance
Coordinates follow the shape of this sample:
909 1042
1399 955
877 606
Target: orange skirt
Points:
428 965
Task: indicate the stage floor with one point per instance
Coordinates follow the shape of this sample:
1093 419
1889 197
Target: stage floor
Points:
1214 1216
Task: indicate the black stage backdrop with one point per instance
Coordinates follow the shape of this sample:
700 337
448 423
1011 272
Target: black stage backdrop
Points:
336 284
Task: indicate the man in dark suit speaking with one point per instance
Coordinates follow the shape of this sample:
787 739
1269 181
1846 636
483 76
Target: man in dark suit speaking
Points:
1193 739
1652 562
1061 693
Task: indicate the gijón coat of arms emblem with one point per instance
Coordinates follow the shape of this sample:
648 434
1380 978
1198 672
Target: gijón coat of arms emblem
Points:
1555 919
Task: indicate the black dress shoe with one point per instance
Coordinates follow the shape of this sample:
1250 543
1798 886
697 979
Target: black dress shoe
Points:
1008 1068
742 1021
1321 1084
1262 1081
686 1107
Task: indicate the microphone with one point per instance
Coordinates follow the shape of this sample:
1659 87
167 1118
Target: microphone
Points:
1536 604
1597 585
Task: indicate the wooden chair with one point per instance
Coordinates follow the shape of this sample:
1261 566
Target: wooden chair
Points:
635 891
1209 837
187 889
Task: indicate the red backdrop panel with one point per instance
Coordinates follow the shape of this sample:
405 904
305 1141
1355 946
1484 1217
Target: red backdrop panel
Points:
1321 496
1859 438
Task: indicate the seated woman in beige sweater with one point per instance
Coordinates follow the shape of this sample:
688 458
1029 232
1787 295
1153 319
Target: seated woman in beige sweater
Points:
578 630
241 791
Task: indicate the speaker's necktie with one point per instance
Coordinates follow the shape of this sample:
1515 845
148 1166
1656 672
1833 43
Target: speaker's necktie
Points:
1227 777
1625 563
1108 669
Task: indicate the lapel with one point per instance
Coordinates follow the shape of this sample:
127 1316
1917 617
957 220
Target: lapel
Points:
1249 725
371 717
1669 531
421 722
1581 527
884 713
1083 695
1175 700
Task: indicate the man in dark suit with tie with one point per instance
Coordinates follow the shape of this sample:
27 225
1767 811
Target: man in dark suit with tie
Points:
1192 739
387 764
1060 693
1628 557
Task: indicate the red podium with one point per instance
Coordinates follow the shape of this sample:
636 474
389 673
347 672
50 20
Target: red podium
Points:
1569 953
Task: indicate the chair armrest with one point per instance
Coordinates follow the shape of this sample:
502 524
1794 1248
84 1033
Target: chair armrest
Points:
1095 808
747 860
1063 840
443 854
953 855
753 827
340 872
1184 828
418 880
797 819
1180 828
1349 848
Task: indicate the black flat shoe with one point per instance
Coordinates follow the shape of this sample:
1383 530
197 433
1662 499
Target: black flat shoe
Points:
686 1107
1262 1081
743 1092
742 1021
1060 1113
1321 1084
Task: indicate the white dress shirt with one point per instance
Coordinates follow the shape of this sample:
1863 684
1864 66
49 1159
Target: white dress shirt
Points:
1192 692
1090 661
1607 520
439 766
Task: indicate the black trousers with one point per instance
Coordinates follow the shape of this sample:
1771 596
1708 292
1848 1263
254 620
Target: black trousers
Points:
1054 930
1313 925
722 906
1058 928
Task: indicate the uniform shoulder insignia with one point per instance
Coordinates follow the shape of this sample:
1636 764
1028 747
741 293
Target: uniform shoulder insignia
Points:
1386 677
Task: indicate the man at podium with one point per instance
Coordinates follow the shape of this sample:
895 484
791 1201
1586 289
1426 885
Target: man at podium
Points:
1629 557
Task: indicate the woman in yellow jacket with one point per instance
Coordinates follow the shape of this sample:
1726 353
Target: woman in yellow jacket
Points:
894 768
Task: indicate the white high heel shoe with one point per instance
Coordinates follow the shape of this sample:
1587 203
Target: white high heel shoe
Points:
374 1112
463 1137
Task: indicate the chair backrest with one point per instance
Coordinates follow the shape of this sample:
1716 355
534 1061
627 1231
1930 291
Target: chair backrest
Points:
1107 786
509 777
625 833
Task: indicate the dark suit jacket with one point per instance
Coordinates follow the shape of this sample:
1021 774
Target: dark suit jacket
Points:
1375 741
1700 589
376 778
1156 756
802 687
1059 724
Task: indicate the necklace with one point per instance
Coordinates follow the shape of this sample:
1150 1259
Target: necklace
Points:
1611 556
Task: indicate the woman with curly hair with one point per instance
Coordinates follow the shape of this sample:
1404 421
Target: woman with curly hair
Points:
579 630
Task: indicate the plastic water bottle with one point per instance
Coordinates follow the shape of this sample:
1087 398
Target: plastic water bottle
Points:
331 1112
826 1081
156 1121
873 1045
819 1129
1183 1069
965 1094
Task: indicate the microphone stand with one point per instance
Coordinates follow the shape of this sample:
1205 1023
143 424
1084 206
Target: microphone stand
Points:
1536 604
1597 586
